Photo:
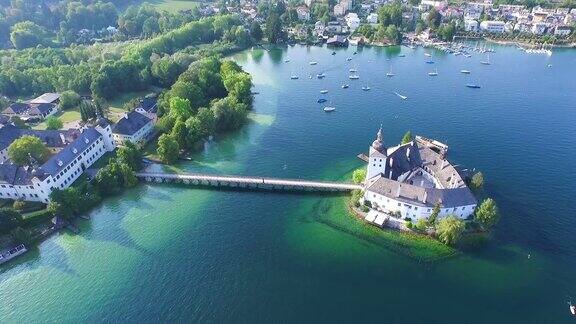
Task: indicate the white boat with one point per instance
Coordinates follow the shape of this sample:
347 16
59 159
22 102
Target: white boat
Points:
366 88
294 77
354 77
464 71
10 254
323 91
352 70
345 86
390 74
313 63
286 60
487 61
427 54
329 109
320 75
434 73
401 96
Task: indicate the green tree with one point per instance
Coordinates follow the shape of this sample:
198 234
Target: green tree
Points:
130 155
421 224
273 30
21 236
359 175
390 14
407 138
450 229
180 108
434 216
27 34
256 31
393 34
69 99
179 133
9 219
168 149
477 181
433 19
19 205
26 148
487 214
53 123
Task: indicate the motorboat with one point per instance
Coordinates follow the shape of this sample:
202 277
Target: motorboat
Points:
464 71
320 75
313 63
329 109
433 73
323 91
366 88
401 96
352 70
473 86
294 77
345 86
354 77
321 100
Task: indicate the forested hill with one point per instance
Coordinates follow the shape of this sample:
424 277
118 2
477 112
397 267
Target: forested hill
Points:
104 70
29 23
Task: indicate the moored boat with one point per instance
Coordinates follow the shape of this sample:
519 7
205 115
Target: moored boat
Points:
401 96
464 71
10 254
345 86
329 109
313 63
321 100
354 77
366 88
473 86
294 77
323 91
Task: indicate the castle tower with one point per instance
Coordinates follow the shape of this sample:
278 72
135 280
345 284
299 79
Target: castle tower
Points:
377 157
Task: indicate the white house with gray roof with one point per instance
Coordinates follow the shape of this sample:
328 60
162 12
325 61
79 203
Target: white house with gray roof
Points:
133 127
412 178
73 152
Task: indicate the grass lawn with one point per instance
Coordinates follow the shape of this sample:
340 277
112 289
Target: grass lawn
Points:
174 5
116 110
64 116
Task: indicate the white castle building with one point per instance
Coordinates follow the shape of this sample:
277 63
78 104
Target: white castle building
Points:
74 152
411 179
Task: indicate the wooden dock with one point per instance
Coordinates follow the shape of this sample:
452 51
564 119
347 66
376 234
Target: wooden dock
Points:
247 182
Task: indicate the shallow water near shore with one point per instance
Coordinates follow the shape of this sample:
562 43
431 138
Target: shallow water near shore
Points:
172 253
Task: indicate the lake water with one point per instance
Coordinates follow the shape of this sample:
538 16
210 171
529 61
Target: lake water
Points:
162 253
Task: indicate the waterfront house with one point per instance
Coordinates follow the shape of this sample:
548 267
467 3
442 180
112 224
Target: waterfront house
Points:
492 26
133 127
471 25
338 40
76 150
409 180
562 30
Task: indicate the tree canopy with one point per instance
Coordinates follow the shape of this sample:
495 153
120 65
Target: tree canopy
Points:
27 148
450 229
53 122
359 175
407 138
168 148
487 214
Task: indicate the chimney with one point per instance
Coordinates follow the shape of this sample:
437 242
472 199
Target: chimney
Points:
408 154
398 191
425 196
390 174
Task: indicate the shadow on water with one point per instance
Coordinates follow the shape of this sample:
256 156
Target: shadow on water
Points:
276 55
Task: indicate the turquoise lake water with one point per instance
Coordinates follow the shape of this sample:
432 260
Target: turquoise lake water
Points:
162 253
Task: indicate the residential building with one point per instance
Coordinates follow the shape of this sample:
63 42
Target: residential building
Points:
333 27
30 111
47 98
471 25
319 28
337 40
149 108
133 127
339 10
352 21
539 28
562 30
372 18
492 26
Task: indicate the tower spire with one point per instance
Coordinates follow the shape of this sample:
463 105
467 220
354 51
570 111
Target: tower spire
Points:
378 143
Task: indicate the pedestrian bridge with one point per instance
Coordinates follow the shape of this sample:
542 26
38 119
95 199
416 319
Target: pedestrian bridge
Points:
246 182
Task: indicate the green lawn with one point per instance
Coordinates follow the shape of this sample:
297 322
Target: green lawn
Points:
174 5
64 116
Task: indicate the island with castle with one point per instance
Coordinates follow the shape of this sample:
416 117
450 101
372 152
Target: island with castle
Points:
412 181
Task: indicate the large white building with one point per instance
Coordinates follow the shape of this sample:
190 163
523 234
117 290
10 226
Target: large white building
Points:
73 152
492 26
352 21
411 179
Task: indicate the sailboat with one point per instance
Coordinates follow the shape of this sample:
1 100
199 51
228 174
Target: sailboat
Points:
366 88
487 61
390 74
294 77
434 73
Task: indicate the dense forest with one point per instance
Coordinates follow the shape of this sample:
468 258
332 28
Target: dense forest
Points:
105 70
31 23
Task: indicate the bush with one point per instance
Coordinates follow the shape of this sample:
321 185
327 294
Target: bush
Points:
477 181
19 205
365 209
421 224
409 224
